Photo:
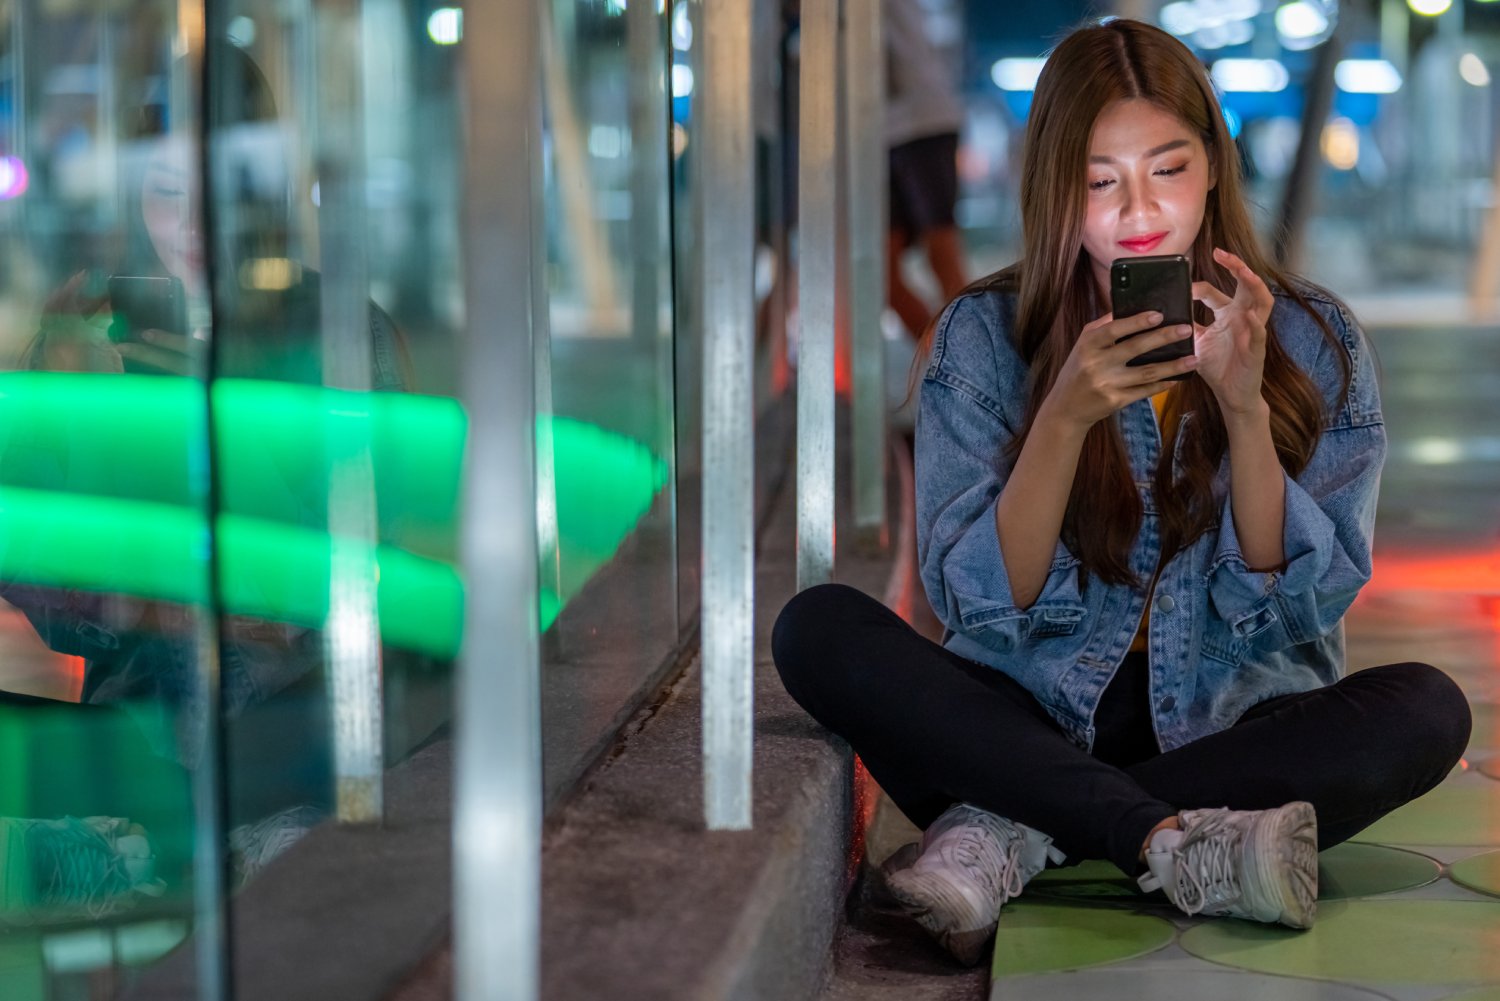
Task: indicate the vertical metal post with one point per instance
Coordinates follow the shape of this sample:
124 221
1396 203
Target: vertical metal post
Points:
864 85
644 42
213 945
352 635
1301 189
549 551
728 247
817 193
498 772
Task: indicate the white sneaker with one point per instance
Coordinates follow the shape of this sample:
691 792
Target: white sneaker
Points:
254 846
1256 864
971 863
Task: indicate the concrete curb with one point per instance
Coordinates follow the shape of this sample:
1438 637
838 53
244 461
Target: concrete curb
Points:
641 902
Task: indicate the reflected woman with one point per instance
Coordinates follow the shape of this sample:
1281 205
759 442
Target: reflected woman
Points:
143 655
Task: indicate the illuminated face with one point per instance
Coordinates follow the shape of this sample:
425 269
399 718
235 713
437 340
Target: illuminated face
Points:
1148 180
168 208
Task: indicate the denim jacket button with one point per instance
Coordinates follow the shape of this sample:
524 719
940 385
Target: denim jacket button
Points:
1167 704
1165 603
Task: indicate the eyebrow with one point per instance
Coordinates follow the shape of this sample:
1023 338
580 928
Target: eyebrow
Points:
1153 151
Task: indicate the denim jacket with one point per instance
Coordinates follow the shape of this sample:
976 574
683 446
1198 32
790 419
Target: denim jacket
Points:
1222 636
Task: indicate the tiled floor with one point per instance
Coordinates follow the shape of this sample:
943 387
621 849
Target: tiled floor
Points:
1411 912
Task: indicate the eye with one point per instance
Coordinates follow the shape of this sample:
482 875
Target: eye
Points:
1170 171
1100 184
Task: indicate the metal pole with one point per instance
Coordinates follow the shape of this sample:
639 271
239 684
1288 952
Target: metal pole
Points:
646 80
728 250
817 191
497 820
213 945
1302 181
864 85
351 638
549 551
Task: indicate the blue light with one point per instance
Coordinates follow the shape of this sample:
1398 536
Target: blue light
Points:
1233 121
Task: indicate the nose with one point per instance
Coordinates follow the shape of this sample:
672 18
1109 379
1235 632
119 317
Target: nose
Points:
1138 203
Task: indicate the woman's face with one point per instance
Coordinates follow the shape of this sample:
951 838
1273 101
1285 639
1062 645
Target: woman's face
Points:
1148 180
168 209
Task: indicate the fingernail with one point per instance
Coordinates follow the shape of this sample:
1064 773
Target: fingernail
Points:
1191 361
1185 329
1154 316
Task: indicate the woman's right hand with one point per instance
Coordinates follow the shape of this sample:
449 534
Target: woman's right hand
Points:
74 334
1095 381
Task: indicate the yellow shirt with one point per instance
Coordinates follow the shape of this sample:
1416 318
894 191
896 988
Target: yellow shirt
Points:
1159 404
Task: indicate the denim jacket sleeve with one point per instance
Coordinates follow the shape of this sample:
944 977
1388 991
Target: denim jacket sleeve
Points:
971 404
1330 516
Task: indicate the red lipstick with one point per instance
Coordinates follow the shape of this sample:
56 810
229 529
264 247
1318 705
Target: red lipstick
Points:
1144 243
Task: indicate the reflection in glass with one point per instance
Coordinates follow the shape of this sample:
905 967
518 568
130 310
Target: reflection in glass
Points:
103 567
605 396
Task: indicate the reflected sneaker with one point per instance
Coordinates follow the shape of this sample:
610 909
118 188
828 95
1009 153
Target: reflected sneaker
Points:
70 868
1261 865
252 847
971 862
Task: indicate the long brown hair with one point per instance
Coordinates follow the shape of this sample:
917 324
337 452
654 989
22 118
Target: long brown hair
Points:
1091 68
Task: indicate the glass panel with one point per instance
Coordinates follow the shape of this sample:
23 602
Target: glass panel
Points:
334 150
106 627
606 461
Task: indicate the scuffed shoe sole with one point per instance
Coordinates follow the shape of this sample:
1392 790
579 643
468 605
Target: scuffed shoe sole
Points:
1279 869
945 912
1286 862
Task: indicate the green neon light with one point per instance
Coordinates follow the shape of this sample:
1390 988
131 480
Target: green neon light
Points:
102 488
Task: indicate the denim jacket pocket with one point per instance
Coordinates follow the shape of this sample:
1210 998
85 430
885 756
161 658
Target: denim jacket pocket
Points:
1054 619
1226 649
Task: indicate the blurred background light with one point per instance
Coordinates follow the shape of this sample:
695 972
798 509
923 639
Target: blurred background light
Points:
682 27
445 26
1367 76
1180 18
608 142
13 178
1220 35
241 32
1017 74
682 80
1211 24
1473 70
1300 20
1305 24
1251 76
1429 8
1341 144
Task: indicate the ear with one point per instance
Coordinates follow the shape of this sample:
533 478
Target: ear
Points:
1213 168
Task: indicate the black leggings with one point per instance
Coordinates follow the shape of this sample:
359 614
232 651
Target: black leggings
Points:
935 729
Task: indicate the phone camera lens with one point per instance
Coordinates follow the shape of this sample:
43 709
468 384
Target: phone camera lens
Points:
1124 274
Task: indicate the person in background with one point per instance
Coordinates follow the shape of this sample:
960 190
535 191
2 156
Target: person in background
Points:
923 117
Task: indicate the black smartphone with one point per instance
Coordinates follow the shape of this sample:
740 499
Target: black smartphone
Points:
1162 283
140 303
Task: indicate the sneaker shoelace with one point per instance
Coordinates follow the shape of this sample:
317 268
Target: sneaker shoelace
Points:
257 845
1008 877
1206 863
77 866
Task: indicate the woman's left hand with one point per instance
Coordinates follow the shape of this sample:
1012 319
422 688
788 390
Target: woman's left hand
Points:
1232 350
